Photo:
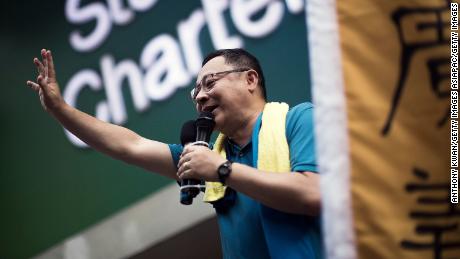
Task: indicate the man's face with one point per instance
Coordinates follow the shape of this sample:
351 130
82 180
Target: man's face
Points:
226 97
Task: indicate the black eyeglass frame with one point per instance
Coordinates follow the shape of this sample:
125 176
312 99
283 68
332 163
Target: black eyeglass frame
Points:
194 92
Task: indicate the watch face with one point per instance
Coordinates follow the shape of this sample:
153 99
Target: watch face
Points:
224 170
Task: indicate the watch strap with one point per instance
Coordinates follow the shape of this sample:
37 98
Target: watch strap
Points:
227 166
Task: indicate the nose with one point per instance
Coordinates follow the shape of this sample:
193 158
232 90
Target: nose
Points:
202 97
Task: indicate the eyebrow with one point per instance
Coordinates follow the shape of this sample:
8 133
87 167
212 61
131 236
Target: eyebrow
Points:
197 82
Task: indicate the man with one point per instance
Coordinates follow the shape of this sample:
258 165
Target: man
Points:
262 213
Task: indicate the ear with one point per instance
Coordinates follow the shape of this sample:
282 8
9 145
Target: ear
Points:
252 80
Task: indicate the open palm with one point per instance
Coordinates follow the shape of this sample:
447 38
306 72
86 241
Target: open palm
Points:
46 84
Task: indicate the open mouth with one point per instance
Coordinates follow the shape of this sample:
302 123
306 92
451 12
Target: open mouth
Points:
209 108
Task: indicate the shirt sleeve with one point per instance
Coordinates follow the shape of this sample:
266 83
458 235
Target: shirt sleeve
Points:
300 136
176 151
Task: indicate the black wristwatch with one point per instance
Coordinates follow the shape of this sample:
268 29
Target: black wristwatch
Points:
224 170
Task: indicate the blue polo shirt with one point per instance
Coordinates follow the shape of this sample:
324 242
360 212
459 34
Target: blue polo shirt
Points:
249 229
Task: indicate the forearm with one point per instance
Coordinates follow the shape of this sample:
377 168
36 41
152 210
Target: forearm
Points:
289 192
115 141
107 138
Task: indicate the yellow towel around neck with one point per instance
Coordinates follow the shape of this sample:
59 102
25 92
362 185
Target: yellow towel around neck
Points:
273 149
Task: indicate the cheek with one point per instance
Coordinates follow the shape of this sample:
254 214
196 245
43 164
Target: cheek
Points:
219 118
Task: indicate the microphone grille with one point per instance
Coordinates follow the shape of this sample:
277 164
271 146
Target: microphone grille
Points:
188 132
206 119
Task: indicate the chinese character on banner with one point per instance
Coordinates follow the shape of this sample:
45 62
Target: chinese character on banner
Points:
421 29
437 218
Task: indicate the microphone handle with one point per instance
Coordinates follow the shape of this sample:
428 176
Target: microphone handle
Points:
189 189
187 195
194 181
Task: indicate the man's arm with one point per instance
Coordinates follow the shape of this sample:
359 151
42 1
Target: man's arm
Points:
289 192
110 139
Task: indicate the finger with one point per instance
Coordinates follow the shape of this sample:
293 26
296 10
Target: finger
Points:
180 171
188 149
40 67
51 71
45 62
41 82
185 158
181 176
186 174
184 167
181 162
34 86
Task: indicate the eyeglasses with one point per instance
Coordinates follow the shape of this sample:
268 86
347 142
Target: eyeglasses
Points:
208 81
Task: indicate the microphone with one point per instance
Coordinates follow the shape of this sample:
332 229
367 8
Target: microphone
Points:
204 126
187 136
188 132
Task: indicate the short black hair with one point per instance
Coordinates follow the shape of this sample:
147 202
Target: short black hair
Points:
241 59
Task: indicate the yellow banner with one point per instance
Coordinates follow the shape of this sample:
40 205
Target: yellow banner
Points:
396 63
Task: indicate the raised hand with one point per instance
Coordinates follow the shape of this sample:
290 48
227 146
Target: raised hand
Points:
46 84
